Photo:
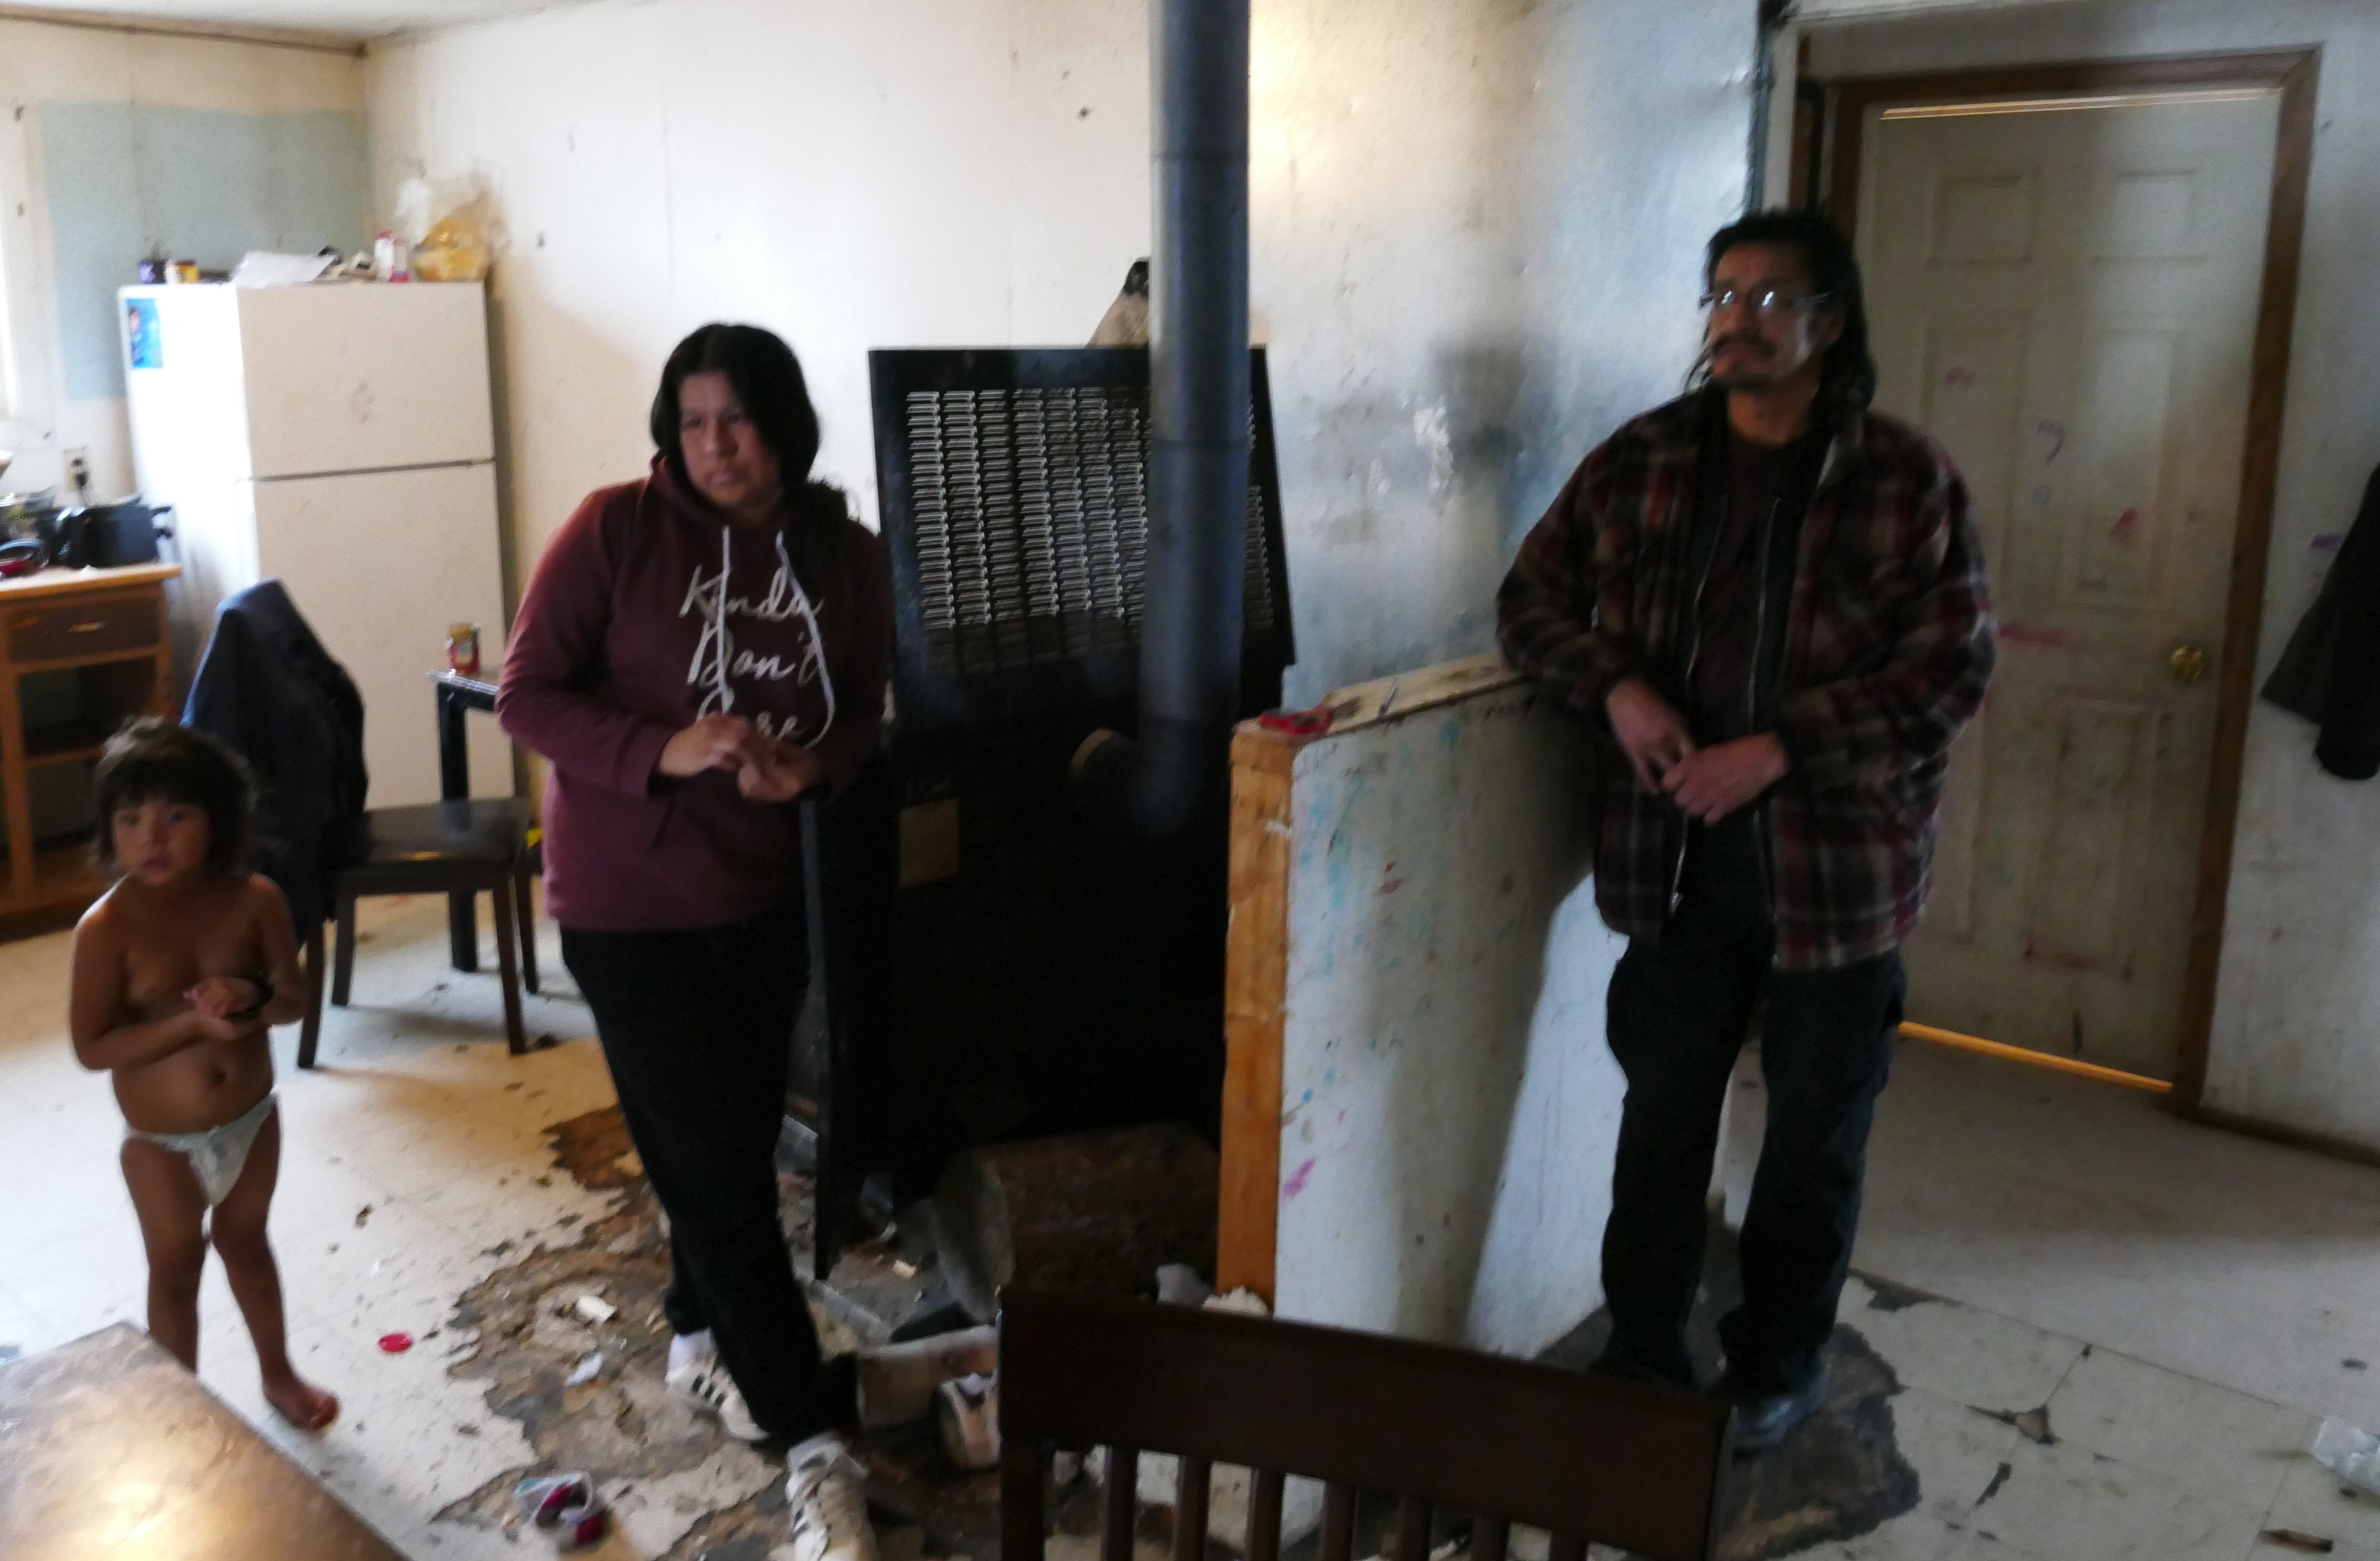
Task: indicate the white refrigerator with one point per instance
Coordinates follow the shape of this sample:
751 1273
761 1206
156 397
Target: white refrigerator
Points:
336 437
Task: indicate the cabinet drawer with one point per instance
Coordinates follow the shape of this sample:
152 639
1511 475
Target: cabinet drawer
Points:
93 625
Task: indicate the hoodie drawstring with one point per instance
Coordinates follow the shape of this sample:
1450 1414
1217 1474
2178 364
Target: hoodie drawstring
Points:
719 621
817 640
809 620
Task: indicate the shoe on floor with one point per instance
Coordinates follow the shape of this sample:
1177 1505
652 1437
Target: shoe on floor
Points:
1763 1420
703 1383
826 1493
897 1382
966 1411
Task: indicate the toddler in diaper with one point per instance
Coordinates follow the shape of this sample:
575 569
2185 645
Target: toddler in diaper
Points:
178 971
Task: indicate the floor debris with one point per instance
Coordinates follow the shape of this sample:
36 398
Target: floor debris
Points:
2294 1539
595 1151
696 1493
621 1427
1889 1296
2034 1423
567 1504
1840 1476
2349 1452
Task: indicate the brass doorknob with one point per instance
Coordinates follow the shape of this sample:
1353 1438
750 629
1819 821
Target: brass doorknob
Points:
2189 664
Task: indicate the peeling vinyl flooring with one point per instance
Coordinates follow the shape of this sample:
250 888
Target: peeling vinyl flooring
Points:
2104 1334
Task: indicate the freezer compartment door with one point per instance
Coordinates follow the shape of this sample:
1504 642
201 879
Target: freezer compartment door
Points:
381 565
364 378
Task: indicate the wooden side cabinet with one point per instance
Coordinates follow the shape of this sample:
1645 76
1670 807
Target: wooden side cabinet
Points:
105 629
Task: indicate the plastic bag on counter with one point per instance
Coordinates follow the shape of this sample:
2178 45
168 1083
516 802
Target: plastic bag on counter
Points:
451 224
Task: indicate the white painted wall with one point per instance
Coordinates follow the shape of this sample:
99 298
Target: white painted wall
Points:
1476 229
915 172
2297 1028
46 63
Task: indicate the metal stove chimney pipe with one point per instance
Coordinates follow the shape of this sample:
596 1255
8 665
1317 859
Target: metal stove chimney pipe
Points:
1198 428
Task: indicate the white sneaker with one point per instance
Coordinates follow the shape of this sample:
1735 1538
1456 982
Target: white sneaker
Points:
703 1383
897 1380
967 1413
826 1493
684 1348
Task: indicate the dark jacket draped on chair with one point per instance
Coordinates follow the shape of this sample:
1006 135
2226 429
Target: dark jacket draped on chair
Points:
268 688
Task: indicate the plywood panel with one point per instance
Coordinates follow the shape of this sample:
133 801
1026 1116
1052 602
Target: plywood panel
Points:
1254 988
1445 1107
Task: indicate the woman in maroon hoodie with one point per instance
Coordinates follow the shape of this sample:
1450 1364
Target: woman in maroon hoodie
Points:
696 652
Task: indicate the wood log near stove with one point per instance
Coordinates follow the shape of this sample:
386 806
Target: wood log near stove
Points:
1091 1213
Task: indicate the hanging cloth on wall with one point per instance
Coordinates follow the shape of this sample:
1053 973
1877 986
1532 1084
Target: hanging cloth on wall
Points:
2330 673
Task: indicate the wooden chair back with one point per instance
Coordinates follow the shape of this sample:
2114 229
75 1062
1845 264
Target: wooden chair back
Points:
1586 1458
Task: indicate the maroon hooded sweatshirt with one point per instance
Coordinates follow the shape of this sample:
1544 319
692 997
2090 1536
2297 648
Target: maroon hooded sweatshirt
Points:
625 637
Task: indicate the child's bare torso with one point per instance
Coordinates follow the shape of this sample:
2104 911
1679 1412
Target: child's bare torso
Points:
169 945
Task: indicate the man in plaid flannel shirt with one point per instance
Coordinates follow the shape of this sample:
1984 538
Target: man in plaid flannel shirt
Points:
1771 601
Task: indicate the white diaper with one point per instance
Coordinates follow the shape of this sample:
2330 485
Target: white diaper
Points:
218 1155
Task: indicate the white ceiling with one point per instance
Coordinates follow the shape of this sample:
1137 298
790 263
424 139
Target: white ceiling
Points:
328 21
355 20
1817 12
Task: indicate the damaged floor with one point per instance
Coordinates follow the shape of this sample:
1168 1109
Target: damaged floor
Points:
2150 1318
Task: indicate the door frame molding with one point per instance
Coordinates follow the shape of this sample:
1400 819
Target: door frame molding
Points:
2296 73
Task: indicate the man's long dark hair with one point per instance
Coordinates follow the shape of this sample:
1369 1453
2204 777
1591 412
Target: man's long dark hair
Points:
767 382
1847 377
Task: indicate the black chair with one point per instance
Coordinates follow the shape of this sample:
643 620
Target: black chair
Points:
460 848
1499 1441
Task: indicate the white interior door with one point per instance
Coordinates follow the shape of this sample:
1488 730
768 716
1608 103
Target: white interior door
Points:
2065 292
379 566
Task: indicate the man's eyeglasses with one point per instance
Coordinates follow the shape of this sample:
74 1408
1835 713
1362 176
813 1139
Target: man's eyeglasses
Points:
1766 302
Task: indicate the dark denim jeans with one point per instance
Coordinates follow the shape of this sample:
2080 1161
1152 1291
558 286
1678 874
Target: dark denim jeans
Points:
1679 1012
697 1027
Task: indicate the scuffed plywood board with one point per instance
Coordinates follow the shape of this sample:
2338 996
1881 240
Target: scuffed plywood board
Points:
1448 1104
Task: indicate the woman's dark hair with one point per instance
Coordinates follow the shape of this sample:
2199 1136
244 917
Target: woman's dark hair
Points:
767 382
151 760
1847 377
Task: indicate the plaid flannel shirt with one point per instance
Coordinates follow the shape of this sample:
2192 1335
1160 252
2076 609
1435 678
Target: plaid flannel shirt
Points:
1888 643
